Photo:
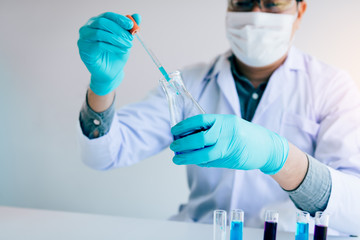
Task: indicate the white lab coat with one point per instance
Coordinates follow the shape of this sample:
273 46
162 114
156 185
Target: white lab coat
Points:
314 106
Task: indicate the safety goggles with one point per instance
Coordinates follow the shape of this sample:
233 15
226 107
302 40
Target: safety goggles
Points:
271 6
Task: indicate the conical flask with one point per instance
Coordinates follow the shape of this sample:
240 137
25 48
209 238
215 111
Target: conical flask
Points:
181 104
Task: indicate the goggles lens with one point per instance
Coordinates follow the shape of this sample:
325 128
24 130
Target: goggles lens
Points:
271 6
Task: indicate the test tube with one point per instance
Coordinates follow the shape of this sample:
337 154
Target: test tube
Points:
321 225
219 225
271 220
237 223
302 225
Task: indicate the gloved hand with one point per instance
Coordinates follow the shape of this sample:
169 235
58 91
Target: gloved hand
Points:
104 47
228 142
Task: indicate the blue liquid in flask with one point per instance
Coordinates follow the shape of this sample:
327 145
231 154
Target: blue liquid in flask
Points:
236 230
270 230
320 232
186 134
302 231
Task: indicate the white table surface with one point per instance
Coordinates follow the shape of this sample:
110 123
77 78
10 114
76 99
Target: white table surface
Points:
23 223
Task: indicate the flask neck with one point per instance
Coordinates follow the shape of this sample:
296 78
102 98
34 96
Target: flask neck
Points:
181 104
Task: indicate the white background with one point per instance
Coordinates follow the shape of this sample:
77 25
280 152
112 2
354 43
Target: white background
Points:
43 84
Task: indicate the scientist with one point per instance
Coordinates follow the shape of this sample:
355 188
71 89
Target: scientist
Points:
283 129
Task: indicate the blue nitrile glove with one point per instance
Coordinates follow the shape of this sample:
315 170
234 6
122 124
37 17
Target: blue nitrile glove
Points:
104 47
228 142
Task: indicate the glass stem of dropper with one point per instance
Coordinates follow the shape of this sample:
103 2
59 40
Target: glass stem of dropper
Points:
153 58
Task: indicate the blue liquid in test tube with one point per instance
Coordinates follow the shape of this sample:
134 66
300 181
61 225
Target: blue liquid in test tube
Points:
302 231
236 230
237 224
302 225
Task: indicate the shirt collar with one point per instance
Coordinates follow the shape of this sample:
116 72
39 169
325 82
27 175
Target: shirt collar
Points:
240 78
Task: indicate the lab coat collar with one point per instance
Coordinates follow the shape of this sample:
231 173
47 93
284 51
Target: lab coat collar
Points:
217 65
294 61
221 72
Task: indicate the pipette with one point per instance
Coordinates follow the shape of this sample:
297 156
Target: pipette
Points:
135 31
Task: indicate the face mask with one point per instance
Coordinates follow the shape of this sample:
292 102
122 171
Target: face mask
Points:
259 39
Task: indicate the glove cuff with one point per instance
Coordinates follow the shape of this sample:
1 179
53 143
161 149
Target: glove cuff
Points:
279 156
101 87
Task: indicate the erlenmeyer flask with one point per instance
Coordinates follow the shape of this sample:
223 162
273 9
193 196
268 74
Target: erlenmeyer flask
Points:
181 104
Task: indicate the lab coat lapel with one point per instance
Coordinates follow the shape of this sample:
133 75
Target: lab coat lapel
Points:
279 81
272 92
227 86
277 84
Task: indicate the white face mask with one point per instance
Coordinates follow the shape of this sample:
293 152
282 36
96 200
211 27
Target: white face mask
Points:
259 39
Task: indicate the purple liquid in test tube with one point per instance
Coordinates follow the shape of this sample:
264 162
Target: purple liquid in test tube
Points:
321 225
270 230
271 220
320 232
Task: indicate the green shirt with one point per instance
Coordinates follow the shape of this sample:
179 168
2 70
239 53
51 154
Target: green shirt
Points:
249 96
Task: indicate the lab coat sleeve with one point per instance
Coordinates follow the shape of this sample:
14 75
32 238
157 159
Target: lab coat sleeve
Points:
338 146
137 131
